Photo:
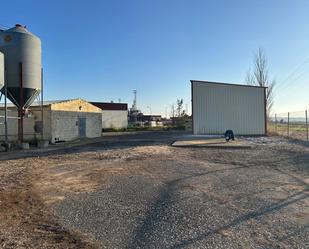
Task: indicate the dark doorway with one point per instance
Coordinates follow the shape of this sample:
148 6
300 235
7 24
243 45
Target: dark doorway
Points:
82 127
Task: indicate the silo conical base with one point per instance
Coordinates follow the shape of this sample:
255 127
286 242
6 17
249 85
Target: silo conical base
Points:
21 98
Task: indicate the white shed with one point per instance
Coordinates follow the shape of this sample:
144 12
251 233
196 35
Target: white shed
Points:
217 107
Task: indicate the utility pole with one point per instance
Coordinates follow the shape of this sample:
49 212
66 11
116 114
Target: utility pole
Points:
42 105
6 114
134 107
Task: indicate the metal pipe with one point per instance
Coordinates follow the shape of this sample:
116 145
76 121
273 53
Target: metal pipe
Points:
21 105
5 113
8 117
42 103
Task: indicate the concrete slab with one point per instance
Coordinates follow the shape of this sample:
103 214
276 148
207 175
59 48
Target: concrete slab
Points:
213 143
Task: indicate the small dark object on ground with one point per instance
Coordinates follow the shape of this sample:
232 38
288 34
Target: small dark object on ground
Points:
229 134
6 146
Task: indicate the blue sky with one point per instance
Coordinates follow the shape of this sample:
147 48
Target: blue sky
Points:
101 50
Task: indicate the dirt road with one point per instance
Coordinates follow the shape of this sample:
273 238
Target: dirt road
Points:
136 191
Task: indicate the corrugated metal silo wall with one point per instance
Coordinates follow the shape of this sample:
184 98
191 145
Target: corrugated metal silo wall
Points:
221 107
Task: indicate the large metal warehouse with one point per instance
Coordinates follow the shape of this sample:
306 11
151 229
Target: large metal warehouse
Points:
217 107
63 120
114 115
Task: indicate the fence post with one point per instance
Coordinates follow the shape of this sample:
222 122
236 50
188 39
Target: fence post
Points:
276 123
288 124
307 125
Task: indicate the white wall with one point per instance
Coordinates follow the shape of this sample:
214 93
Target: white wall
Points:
221 107
114 119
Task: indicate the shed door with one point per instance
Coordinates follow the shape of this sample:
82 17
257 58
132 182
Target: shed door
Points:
82 127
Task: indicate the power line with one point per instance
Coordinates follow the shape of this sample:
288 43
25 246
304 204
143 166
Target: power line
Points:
301 84
283 94
293 81
4 26
285 81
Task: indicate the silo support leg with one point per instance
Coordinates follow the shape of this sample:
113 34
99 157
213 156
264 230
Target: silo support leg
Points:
20 125
21 105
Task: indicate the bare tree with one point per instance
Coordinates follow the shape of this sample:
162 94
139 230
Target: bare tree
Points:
179 107
172 115
181 118
260 77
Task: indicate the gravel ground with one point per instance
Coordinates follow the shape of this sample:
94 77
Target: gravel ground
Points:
151 195
136 191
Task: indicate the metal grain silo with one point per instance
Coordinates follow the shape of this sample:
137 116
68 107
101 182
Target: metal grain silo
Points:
22 51
1 70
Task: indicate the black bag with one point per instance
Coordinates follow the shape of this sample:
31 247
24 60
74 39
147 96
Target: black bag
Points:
229 134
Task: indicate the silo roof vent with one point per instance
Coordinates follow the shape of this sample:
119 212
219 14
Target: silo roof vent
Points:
19 26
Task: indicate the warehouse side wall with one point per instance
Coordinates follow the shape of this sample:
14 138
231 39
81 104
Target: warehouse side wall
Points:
221 107
114 119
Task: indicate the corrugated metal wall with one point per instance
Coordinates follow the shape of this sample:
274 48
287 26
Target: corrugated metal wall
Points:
220 107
